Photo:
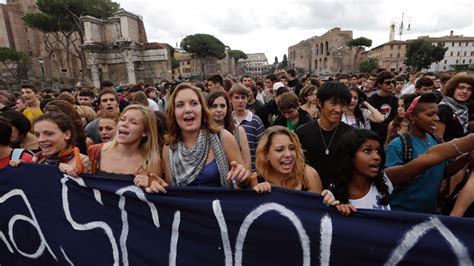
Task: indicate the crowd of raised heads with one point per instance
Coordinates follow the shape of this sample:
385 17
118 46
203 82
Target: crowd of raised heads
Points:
384 141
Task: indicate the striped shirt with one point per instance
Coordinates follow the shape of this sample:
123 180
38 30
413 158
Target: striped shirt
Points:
253 127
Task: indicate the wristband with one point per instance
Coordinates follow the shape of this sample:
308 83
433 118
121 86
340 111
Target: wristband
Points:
457 148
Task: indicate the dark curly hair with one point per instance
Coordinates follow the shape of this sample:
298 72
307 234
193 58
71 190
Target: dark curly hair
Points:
345 152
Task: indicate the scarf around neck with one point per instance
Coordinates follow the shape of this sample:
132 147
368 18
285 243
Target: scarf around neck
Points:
186 164
63 156
459 109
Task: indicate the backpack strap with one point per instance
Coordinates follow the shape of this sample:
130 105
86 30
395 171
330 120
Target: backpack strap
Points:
438 139
407 147
16 154
94 156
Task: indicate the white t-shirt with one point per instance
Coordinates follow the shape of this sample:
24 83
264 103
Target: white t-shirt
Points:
371 200
260 98
408 89
153 105
362 124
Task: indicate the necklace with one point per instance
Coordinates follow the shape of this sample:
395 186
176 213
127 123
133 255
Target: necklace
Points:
330 141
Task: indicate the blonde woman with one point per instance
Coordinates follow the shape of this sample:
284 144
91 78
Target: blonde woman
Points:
134 151
280 163
86 113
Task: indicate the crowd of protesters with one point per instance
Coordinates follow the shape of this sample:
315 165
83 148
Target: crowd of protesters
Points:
381 141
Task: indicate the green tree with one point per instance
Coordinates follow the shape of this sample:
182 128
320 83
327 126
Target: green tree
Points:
202 46
10 59
174 61
237 54
421 54
359 44
368 65
276 60
284 62
61 25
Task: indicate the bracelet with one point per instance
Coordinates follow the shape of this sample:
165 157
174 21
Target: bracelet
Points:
457 148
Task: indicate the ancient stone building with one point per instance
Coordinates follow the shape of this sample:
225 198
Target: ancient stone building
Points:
325 54
14 34
190 68
116 49
255 64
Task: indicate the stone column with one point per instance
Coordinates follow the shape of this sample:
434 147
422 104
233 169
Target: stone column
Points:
124 28
87 32
95 76
129 63
92 60
131 72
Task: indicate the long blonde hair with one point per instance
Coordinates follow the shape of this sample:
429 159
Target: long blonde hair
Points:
149 145
297 176
87 112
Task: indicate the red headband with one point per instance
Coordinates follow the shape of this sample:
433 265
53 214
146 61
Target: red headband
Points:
413 105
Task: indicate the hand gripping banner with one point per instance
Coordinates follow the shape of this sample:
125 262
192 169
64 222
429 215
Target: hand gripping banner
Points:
47 218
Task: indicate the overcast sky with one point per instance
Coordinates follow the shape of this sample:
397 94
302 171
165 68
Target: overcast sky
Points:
272 26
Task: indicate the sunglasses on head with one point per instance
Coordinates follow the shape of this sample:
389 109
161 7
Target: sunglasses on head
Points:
389 82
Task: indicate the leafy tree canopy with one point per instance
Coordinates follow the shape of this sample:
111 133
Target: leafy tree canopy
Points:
171 49
360 42
64 14
10 54
46 23
369 65
421 54
203 45
174 61
237 54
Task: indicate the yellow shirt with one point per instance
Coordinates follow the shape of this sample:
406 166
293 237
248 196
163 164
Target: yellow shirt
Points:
31 114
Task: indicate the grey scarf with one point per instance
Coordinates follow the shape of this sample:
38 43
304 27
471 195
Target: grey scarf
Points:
186 164
459 109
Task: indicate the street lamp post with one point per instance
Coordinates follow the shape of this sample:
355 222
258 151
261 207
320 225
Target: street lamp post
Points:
400 22
41 62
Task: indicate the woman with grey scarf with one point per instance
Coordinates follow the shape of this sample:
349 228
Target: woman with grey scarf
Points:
453 109
196 152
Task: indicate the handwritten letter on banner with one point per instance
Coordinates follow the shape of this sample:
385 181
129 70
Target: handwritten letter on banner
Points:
50 219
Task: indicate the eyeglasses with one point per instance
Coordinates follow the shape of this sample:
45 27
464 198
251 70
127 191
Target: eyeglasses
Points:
389 82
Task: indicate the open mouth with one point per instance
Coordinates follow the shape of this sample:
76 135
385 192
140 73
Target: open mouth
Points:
188 120
374 167
287 164
123 132
46 147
